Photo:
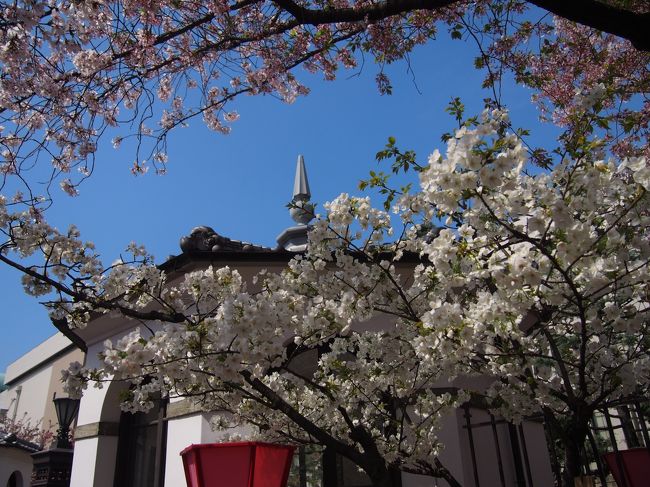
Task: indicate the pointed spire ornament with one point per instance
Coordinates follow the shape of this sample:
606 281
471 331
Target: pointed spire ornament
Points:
302 211
294 239
300 183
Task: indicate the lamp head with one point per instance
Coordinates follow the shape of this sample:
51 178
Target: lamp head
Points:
66 410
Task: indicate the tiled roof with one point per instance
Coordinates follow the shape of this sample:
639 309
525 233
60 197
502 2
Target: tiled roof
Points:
12 441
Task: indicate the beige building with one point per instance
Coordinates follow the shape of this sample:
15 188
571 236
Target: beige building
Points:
31 382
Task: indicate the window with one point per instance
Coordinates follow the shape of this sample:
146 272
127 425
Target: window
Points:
141 448
307 468
318 467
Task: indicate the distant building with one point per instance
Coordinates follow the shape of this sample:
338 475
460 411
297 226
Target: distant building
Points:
29 385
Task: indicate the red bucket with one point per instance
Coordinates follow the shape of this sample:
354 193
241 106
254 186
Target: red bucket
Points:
242 464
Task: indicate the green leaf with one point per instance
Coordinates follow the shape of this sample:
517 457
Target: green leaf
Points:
602 123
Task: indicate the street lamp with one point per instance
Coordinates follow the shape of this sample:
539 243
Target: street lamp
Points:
66 410
53 467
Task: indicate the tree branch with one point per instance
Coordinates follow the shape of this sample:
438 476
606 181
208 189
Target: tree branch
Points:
607 18
368 13
279 404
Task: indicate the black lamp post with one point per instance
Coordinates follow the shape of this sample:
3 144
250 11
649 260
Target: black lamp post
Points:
66 410
52 468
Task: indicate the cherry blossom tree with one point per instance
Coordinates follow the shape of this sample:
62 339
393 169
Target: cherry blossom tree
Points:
74 71
520 265
534 278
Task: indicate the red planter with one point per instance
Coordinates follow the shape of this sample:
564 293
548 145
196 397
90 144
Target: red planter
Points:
636 467
244 464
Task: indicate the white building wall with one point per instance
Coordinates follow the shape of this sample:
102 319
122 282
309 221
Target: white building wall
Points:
532 451
181 433
95 457
94 462
5 400
92 404
31 380
540 459
102 405
12 460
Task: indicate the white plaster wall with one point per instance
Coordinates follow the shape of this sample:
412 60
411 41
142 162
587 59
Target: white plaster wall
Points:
94 458
94 462
540 460
451 437
486 452
181 433
412 480
99 405
107 455
456 455
185 431
13 459
90 407
83 462
92 359
451 456
34 378
485 449
56 386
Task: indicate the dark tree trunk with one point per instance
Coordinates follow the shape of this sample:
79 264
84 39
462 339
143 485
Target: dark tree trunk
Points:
574 441
393 478
385 482
385 477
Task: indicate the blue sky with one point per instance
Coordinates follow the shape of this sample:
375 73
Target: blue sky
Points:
239 184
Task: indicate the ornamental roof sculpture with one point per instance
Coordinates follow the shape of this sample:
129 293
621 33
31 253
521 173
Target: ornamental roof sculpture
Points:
205 239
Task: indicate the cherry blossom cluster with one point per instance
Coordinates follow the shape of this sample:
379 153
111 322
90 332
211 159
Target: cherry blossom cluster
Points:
67 271
27 430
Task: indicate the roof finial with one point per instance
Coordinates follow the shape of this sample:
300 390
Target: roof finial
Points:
301 210
300 184
294 239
